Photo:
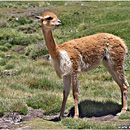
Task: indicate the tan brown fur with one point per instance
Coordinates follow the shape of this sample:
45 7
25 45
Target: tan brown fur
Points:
84 54
93 48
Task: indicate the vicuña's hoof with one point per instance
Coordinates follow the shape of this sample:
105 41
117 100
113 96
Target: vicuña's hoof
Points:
56 119
75 117
118 114
122 111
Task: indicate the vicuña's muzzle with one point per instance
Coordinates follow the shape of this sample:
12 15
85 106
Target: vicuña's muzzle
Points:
58 23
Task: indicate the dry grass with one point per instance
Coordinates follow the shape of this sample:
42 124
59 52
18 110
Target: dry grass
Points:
36 83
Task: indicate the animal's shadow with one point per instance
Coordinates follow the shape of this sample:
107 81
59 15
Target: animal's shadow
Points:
88 108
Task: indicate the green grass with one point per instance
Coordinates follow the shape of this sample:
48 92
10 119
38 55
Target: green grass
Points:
13 105
36 51
36 84
125 116
43 124
49 103
9 66
43 83
17 38
3 62
87 124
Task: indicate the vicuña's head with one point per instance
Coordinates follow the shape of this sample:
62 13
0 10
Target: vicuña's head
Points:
49 20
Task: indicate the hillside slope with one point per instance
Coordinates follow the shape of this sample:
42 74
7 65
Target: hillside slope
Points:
28 80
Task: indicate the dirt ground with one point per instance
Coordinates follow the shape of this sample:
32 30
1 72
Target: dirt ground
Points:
14 120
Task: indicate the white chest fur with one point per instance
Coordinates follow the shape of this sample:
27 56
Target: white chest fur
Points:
64 66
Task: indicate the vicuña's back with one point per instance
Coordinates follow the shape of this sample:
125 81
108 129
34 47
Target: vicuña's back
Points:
84 54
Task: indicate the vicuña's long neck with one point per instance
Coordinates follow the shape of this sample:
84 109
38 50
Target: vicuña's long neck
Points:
50 43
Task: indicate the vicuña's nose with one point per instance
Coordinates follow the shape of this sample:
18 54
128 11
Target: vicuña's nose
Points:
59 21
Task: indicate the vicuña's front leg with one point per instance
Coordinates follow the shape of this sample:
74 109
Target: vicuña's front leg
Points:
75 93
67 84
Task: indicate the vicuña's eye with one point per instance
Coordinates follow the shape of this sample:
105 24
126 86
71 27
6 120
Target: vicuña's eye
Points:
49 18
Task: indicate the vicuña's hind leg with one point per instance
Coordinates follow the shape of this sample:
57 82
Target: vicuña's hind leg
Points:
75 93
117 72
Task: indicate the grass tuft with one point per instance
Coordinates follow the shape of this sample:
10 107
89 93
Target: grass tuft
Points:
2 109
9 66
37 51
36 83
3 48
50 104
13 106
3 62
43 83
125 116
19 107
87 124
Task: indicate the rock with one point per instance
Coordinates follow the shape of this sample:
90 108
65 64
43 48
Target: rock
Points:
7 56
17 19
3 126
24 128
55 5
9 72
12 117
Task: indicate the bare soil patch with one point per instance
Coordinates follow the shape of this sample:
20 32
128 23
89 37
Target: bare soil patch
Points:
13 120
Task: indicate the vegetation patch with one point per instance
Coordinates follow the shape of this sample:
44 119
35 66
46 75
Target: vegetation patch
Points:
33 81
43 124
50 104
9 66
3 62
36 51
19 107
2 109
87 124
17 38
13 106
125 116
43 83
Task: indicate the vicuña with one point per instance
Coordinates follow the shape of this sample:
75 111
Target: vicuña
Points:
84 54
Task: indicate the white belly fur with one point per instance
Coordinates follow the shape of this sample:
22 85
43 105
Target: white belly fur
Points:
84 67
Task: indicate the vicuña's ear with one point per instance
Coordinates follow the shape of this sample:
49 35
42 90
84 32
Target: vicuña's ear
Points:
39 17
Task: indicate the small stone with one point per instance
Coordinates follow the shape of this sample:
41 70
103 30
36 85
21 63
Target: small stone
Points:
7 56
10 72
48 3
17 19
82 4
56 5
3 126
